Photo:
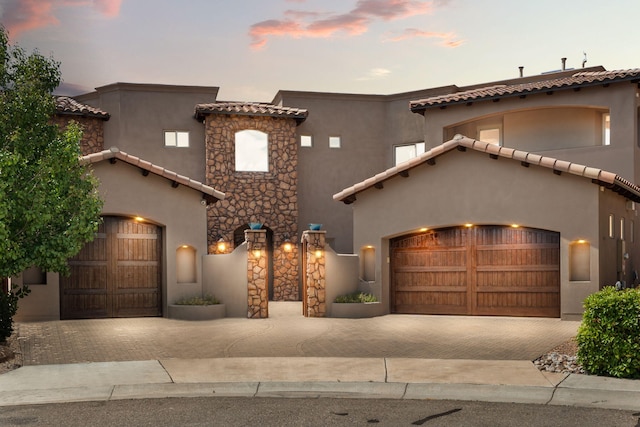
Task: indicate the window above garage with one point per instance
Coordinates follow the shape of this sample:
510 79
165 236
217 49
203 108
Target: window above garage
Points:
404 152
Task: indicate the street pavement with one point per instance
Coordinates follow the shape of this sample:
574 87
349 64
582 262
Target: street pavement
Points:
287 355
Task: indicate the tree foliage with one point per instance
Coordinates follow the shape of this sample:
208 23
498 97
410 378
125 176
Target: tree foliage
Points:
49 205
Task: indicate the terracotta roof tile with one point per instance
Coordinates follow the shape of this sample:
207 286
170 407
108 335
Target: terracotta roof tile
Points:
251 109
578 79
598 176
210 194
69 106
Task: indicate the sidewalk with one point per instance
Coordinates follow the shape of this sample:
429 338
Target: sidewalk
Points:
386 378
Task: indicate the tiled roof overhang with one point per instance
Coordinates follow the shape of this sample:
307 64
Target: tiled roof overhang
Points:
460 142
209 194
492 92
71 107
250 109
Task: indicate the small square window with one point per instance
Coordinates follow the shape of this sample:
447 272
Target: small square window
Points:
490 135
174 138
306 141
334 142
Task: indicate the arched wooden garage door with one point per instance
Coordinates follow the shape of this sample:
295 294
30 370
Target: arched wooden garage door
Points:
118 274
481 270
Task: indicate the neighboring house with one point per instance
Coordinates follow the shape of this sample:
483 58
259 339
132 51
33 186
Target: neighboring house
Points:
304 147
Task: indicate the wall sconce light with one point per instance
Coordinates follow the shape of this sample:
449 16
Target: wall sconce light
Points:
222 245
318 253
257 253
287 245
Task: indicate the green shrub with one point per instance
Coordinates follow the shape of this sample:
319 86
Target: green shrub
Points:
609 336
198 300
356 297
8 309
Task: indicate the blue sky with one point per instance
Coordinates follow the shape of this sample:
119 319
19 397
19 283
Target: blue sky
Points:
253 48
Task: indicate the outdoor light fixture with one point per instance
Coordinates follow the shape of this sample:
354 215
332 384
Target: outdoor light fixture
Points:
515 226
222 246
287 245
185 246
257 253
581 241
139 219
318 253
423 229
468 225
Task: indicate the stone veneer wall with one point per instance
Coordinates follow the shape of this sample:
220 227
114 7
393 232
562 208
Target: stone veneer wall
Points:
315 274
270 198
92 132
257 273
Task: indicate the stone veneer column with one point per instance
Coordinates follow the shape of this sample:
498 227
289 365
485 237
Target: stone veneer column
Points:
315 282
257 273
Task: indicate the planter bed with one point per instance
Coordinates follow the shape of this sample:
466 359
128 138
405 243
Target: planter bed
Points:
356 310
196 312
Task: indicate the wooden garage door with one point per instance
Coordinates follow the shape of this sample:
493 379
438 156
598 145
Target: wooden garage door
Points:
482 270
116 275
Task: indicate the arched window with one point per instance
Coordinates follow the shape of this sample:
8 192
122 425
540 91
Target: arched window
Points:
252 151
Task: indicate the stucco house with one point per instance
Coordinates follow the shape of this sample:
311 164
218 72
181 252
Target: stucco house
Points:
554 154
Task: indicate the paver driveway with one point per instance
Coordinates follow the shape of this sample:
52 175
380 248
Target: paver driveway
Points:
286 333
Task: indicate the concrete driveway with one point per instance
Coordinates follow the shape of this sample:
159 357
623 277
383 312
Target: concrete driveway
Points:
286 333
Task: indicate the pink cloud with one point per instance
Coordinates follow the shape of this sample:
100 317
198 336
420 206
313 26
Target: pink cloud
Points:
447 39
24 15
354 22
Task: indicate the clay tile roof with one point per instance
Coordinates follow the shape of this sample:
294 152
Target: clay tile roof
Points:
579 79
210 194
69 106
250 109
597 176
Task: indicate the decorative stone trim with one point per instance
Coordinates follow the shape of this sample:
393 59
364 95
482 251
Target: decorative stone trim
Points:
257 274
315 304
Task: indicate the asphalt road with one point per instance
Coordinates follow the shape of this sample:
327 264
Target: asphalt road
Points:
218 411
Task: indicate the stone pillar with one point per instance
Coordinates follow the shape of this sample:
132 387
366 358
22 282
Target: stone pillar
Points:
257 274
315 283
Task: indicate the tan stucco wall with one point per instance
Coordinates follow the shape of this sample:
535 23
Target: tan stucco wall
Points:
225 277
140 113
127 193
43 303
562 125
369 127
470 187
609 257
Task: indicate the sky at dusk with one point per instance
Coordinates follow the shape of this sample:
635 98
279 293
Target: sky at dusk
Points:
253 48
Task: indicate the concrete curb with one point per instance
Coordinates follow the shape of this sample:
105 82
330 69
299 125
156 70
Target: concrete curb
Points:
515 382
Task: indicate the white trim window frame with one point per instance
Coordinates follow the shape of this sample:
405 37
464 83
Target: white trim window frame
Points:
176 138
405 152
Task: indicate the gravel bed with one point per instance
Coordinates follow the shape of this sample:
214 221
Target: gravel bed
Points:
561 359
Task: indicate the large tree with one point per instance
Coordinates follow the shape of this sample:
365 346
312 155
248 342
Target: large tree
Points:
49 205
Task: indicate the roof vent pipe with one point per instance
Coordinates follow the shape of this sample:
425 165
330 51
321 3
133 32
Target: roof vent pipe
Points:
564 63
521 68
